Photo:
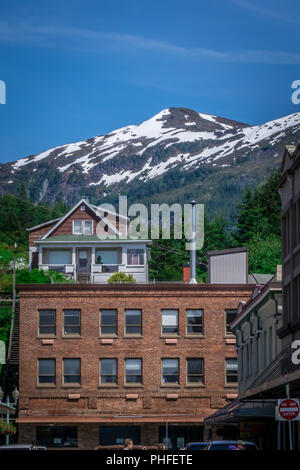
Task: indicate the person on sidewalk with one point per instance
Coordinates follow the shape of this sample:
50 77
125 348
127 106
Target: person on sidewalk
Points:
128 444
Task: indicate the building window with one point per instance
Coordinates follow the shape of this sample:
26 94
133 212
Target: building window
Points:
195 371
169 322
170 371
58 257
107 257
88 227
133 371
108 371
72 371
230 316
115 434
71 322
47 322
77 227
133 322
56 436
108 322
194 321
231 371
46 371
82 227
135 256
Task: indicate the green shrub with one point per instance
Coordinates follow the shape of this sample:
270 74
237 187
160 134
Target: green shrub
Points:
120 278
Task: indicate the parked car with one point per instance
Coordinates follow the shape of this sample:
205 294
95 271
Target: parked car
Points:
21 447
195 446
229 445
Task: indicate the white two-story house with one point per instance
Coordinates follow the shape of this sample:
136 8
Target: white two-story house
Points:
72 245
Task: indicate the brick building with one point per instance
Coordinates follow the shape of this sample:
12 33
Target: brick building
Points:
100 362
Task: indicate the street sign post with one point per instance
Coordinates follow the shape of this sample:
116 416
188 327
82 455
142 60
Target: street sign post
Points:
288 409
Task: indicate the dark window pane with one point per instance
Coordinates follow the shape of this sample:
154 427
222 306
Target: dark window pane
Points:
108 321
195 366
170 371
56 436
73 330
47 322
133 370
108 317
46 366
133 321
72 366
230 316
108 329
47 330
195 321
47 379
108 366
169 321
108 379
133 329
46 371
169 329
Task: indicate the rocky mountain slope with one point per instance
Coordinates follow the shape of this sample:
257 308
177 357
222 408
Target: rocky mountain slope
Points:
175 155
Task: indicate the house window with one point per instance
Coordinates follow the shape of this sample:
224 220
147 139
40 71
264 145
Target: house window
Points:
82 227
59 257
169 321
47 322
170 371
108 322
56 436
46 371
135 256
231 371
108 371
106 256
133 371
133 322
88 227
195 371
194 321
71 322
230 316
77 227
72 371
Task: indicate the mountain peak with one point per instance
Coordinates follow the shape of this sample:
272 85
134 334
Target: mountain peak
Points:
176 140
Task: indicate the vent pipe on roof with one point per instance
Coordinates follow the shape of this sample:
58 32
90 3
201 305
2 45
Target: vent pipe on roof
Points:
193 246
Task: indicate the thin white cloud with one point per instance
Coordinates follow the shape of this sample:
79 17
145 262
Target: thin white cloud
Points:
99 41
271 12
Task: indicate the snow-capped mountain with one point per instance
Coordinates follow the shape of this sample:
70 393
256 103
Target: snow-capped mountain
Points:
177 143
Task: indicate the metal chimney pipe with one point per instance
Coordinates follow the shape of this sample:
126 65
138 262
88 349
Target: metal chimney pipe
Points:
193 246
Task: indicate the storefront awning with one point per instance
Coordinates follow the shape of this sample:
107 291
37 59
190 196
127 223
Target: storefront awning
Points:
237 411
180 418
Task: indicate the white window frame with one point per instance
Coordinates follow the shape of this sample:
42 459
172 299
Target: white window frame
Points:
83 227
77 233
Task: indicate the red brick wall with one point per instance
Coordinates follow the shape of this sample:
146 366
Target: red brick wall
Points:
108 402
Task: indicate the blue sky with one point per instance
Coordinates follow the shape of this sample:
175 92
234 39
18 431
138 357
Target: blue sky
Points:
75 69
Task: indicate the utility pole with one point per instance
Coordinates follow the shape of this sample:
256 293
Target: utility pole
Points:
193 279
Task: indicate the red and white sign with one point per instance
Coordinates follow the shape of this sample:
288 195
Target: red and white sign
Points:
289 409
